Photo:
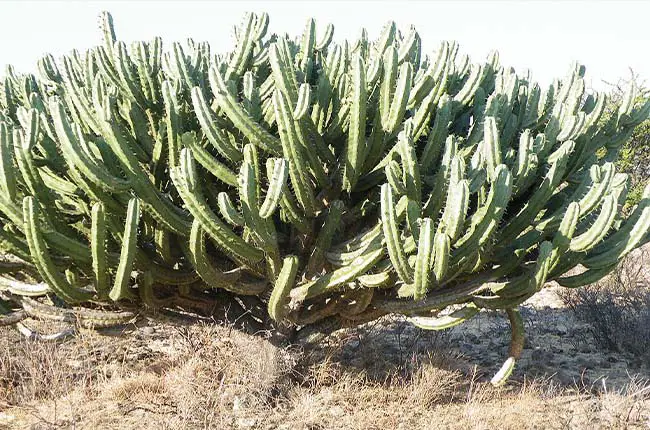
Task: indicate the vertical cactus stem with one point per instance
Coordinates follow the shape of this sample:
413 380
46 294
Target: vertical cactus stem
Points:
326 39
278 303
246 39
491 145
42 260
108 31
324 239
356 142
7 176
294 153
211 129
98 249
516 348
242 120
411 170
277 172
442 245
399 99
424 259
225 238
73 151
564 235
121 289
392 236
302 106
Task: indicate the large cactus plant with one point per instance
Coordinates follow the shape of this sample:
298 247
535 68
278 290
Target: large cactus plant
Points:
336 183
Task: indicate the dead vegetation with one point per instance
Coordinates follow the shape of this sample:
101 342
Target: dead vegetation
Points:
617 308
175 375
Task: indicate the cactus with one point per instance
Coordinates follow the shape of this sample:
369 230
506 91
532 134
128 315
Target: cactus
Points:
331 182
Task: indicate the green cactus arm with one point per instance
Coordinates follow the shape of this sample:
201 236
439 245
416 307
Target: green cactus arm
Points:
213 277
411 168
277 173
55 182
409 48
326 39
161 209
356 141
242 120
262 229
302 105
388 83
487 218
72 150
108 31
456 207
211 128
447 321
391 233
210 163
442 245
337 279
80 102
599 229
278 303
346 255
124 67
430 79
437 135
491 145
98 249
588 277
294 152
424 259
442 177
120 289
7 176
564 234
246 39
627 238
399 100
324 238
394 177
195 202
466 93
42 259
536 202
283 69
228 210
307 47
516 347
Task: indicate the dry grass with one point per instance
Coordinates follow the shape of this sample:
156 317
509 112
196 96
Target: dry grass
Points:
208 376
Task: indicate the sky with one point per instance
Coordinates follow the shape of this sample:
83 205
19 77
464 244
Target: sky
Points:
608 37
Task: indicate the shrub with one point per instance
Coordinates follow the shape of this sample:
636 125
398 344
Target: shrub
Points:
330 183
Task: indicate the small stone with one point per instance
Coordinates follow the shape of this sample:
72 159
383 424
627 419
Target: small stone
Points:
246 423
148 330
337 411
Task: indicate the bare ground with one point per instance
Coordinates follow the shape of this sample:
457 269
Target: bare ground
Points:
171 374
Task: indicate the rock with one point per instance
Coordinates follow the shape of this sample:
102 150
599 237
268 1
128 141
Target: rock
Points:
148 330
246 423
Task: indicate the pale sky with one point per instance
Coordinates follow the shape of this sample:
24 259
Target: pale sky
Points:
609 37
